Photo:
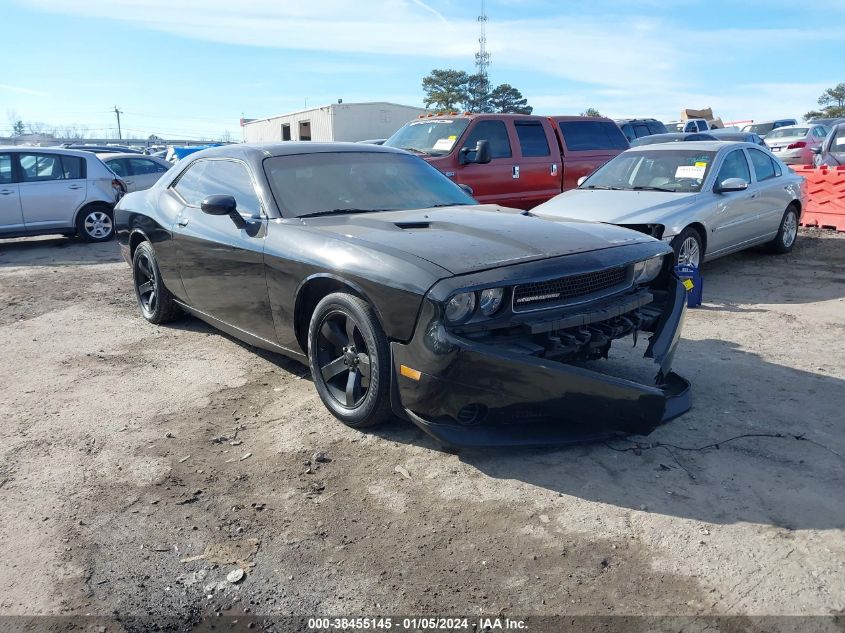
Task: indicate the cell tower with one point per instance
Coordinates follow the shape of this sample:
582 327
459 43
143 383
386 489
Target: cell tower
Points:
482 57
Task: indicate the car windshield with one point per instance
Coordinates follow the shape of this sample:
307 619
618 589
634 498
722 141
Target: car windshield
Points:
838 144
436 137
358 182
789 132
681 170
675 126
759 128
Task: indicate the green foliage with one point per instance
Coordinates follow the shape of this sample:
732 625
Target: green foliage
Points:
18 128
832 102
591 112
447 89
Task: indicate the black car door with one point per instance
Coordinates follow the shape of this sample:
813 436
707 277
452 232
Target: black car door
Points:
221 265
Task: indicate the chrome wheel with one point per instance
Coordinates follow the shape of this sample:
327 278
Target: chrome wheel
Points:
790 229
98 225
690 253
146 284
343 359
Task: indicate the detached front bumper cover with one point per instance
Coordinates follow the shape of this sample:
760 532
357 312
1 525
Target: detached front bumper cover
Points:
474 394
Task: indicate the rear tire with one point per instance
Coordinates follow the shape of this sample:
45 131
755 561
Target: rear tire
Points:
95 223
787 233
349 359
154 299
689 248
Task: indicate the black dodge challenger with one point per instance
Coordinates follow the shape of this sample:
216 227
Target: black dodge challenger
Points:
477 323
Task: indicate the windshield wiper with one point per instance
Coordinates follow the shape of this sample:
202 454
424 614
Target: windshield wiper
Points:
604 187
342 212
417 150
644 188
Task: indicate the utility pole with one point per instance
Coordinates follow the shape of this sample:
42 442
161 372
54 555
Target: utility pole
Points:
118 113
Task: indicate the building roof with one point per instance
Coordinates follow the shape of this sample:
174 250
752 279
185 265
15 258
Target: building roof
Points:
329 106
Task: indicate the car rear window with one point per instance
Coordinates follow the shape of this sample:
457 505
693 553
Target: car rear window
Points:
580 136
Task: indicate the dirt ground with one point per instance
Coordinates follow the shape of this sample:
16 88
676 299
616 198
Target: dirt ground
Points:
139 465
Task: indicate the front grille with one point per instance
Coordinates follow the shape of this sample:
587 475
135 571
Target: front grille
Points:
564 289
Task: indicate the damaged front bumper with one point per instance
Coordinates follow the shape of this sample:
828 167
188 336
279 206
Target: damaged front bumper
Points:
467 392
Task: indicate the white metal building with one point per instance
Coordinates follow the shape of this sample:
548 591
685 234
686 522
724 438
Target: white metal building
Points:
335 122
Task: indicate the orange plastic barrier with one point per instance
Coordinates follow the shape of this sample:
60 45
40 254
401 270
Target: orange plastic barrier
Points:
825 204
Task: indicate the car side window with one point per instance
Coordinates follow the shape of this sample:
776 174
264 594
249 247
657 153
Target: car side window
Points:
5 169
532 139
734 166
144 166
41 167
640 129
764 167
209 177
495 133
628 131
118 166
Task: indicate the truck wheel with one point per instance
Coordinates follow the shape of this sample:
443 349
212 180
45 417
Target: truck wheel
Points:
350 360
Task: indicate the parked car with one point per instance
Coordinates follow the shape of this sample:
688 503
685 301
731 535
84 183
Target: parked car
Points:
137 172
762 128
512 159
51 190
673 137
690 125
832 150
828 122
794 144
705 199
405 297
636 128
101 149
735 135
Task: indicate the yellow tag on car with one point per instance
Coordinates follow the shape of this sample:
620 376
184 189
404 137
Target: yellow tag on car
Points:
688 284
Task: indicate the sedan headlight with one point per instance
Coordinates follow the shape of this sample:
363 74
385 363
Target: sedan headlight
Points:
491 300
460 306
647 270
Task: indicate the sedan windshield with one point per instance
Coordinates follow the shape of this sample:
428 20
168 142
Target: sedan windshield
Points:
788 132
436 137
357 182
681 170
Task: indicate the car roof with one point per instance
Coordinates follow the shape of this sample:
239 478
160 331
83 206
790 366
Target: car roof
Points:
708 146
110 155
47 150
797 125
258 151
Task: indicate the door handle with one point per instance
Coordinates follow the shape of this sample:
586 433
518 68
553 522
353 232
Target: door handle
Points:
755 195
554 169
515 171
75 187
6 192
182 221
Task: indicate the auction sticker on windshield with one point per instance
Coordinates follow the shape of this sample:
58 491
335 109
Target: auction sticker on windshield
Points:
444 143
691 171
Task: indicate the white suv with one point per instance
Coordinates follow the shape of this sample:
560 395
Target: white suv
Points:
45 190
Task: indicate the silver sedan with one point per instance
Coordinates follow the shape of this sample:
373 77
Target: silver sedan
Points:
794 144
137 171
706 198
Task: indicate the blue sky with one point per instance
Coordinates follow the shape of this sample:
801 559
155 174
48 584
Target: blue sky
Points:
191 67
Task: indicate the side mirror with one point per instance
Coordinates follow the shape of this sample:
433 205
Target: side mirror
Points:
222 204
732 184
816 150
481 151
581 181
467 190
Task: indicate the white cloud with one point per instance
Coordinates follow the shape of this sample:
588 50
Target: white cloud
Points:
22 90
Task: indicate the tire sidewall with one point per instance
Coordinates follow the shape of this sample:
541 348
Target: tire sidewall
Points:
145 248
682 237
778 244
84 213
376 343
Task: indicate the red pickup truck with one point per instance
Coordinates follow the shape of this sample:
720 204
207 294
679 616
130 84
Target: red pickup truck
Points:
514 160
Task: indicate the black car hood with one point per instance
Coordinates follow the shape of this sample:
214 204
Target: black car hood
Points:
464 239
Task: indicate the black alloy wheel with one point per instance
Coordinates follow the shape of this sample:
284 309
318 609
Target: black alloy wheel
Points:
154 299
348 355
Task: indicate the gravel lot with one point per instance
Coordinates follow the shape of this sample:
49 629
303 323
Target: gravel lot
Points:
142 464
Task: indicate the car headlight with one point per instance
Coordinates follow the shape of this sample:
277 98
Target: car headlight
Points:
647 270
491 300
459 307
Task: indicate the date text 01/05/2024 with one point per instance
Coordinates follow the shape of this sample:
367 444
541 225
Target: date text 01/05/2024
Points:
417 624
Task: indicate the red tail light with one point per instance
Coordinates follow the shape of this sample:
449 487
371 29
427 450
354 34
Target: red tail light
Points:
797 145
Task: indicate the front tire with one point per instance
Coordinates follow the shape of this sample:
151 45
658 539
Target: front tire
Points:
350 361
154 299
787 233
689 248
95 223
